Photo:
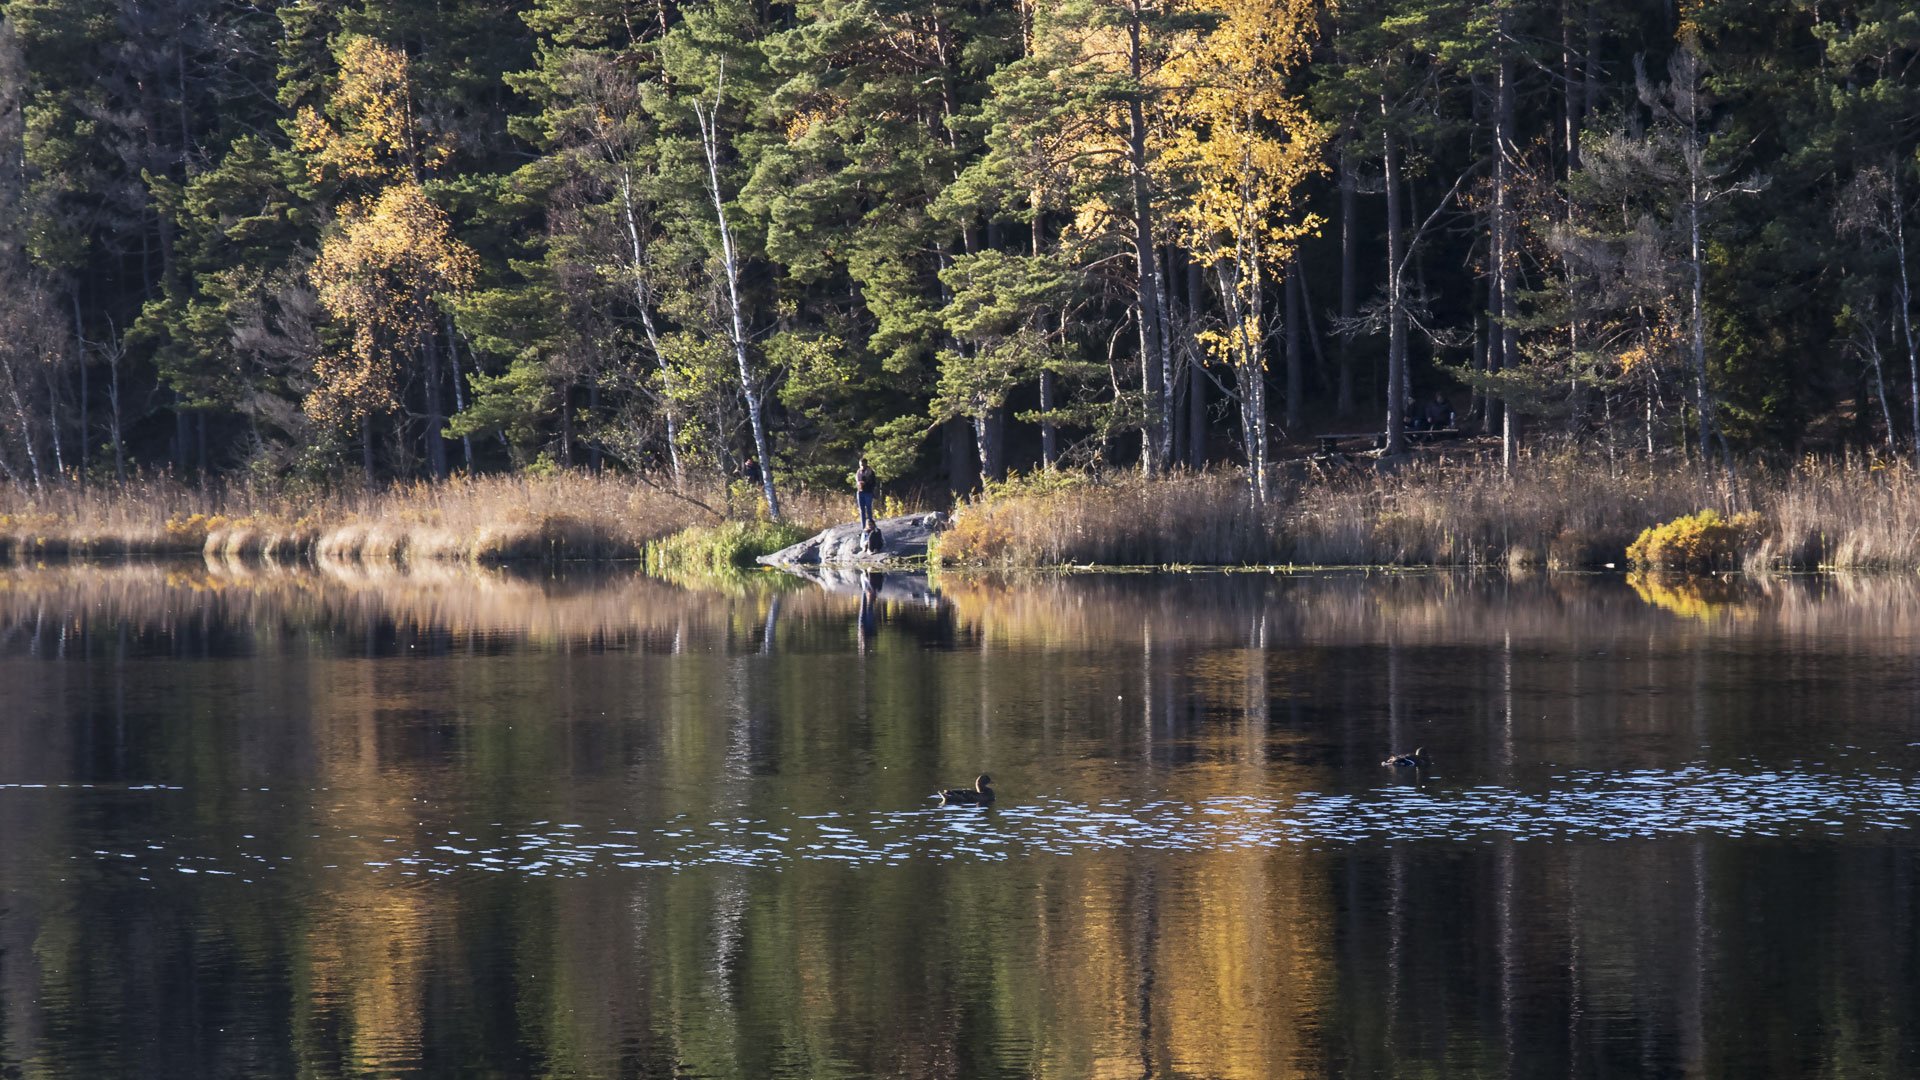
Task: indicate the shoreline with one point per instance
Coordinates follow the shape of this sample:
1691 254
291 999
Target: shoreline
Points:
1552 514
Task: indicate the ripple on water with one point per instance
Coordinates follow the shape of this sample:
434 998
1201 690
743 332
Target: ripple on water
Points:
1695 800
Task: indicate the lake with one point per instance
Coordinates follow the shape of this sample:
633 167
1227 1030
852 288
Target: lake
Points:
455 823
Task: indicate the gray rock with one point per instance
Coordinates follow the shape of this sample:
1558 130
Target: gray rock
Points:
906 538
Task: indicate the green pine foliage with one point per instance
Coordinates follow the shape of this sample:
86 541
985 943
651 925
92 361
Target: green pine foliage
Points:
951 235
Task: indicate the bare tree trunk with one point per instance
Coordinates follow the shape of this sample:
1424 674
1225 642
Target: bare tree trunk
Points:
1879 382
644 302
459 394
1165 321
1249 372
80 361
1906 303
24 418
710 141
1049 438
1196 377
1501 333
53 420
1146 263
1696 260
113 403
436 411
1396 299
1294 360
1573 108
1348 276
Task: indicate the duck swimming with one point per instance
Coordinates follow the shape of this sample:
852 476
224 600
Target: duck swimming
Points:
981 793
1415 760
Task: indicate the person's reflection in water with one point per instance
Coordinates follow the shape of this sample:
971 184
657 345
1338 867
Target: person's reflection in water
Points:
870 583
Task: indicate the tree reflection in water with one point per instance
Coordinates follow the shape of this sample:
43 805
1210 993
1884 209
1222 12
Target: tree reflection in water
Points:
466 822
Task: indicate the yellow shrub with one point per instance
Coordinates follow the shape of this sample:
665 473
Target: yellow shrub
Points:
1696 543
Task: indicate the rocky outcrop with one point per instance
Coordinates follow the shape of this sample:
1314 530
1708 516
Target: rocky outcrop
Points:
906 537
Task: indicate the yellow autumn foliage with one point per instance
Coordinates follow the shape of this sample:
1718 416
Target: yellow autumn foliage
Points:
379 274
1696 542
1244 145
374 133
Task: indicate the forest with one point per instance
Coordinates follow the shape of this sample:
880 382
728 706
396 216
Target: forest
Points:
315 241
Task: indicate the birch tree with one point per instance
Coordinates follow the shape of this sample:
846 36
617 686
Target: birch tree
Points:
1245 147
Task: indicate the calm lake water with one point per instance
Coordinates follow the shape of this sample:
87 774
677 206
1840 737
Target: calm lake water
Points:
336 824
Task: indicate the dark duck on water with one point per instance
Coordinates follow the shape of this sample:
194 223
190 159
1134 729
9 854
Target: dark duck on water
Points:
981 794
1415 760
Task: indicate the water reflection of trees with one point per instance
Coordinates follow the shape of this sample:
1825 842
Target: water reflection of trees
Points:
1499 959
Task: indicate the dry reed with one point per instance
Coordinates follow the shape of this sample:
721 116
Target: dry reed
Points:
1559 512
1068 519
569 515
1554 512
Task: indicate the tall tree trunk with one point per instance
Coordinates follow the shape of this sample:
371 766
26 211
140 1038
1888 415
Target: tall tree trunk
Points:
1879 383
1396 297
958 446
1349 295
1146 263
1295 381
1196 375
749 389
1249 370
24 418
1501 334
86 412
436 412
644 302
1573 108
181 449
1696 259
1906 302
1049 437
459 394
988 428
53 420
1572 91
366 448
1163 266
113 403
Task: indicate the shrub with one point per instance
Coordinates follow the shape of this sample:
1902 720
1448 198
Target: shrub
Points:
1696 543
719 548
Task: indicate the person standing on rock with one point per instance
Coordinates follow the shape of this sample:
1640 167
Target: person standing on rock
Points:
865 483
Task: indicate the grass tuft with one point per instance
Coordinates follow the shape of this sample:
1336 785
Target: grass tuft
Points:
720 549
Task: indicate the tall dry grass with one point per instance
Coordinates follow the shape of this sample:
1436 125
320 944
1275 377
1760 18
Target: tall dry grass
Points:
1859 514
1071 519
1553 511
499 518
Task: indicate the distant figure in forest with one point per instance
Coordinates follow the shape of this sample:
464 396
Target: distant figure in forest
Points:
750 470
1435 415
864 485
